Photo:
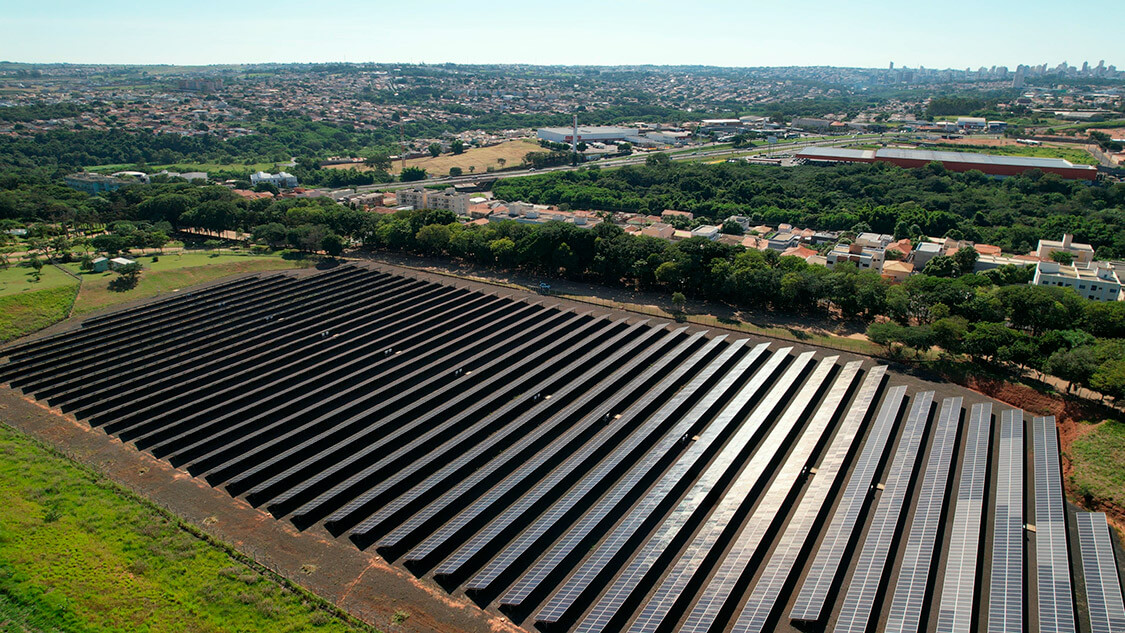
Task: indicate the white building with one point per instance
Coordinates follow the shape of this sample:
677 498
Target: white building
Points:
586 133
709 231
1082 253
421 198
1098 281
865 258
281 180
874 240
923 253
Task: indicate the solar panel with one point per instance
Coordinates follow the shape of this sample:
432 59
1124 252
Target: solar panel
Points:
771 508
654 456
455 453
577 462
1052 569
911 587
739 495
826 564
863 588
608 393
955 613
1103 586
756 611
1005 587
597 564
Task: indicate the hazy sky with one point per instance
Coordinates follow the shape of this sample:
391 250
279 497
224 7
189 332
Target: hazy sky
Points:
950 34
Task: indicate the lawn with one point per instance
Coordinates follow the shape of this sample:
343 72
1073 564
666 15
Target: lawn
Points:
19 279
79 553
1099 462
26 312
1073 154
171 273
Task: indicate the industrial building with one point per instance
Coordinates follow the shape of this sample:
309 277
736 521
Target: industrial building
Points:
281 180
953 161
586 134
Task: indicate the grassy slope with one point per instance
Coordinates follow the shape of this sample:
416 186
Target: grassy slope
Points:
77 553
27 312
170 273
1099 462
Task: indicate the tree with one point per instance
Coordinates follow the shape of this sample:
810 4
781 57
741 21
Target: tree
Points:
942 266
457 146
1076 366
412 173
273 234
213 245
730 227
679 300
434 149
966 259
1109 379
1062 257
378 161
434 238
501 162
455 171
332 244
127 279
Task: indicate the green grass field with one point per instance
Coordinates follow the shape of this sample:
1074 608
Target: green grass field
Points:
1099 462
172 272
81 554
26 312
1073 154
19 279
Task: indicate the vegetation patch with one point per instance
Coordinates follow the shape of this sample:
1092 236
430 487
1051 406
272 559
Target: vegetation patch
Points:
1099 463
77 553
170 273
26 312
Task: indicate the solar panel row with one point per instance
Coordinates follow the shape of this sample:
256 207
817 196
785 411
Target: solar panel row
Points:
1099 567
1005 602
1052 559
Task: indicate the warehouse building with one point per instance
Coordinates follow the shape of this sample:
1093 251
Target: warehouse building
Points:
586 134
953 161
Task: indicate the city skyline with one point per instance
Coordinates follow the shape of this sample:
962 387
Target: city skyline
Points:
957 36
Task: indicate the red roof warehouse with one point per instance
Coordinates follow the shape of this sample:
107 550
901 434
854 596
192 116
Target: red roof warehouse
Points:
953 161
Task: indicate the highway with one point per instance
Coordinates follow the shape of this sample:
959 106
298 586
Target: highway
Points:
769 151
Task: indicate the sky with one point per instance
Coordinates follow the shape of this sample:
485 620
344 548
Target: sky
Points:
867 33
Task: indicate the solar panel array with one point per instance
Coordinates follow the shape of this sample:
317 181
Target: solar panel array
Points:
579 472
1099 567
1055 599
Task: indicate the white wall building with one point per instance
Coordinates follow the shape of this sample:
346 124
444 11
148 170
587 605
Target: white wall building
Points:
1098 281
1083 253
586 133
281 180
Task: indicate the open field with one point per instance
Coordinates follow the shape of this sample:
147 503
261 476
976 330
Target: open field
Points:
479 158
79 553
171 273
1099 462
17 279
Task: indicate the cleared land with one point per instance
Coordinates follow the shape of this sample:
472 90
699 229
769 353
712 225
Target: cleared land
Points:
78 553
477 158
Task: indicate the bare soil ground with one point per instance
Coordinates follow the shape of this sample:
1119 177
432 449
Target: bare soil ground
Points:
477 158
